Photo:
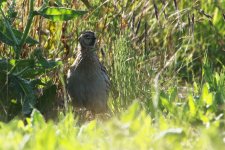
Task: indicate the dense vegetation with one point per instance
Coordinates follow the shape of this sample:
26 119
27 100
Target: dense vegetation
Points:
165 60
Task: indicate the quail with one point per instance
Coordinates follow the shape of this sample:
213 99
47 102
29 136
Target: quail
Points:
87 79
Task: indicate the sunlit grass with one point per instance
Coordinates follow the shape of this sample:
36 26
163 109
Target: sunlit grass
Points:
132 129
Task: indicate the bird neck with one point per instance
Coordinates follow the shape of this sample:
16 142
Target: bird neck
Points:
87 52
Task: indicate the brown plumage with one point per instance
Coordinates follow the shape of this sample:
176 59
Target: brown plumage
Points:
87 79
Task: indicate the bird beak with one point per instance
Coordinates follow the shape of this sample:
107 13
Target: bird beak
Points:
79 37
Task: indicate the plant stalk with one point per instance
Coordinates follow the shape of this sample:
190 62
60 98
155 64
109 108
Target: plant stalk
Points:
27 28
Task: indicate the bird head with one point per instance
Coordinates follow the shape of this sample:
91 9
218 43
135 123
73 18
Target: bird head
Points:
87 40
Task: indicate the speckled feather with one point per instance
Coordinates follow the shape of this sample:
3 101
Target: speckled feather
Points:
88 82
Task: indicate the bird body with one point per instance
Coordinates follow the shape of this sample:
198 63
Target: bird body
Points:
87 80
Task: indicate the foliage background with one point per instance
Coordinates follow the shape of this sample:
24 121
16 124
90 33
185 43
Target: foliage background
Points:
166 58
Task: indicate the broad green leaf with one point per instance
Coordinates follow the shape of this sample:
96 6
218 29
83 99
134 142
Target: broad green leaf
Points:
12 62
207 97
22 66
29 100
6 38
4 65
47 64
203 118
29 39
192 105
23 88
165 102
60 13
29 68
42 62
37 118
17 77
